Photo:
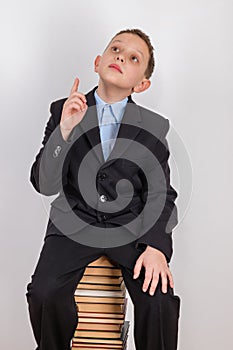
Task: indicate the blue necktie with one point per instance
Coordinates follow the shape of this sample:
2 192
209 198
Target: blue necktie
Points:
108 130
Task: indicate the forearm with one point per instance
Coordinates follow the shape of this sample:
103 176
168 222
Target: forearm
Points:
47 169
50 164
65 133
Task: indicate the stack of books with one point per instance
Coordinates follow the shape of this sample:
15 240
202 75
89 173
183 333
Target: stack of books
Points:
101 306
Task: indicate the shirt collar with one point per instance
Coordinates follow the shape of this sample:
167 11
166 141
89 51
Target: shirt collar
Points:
117 108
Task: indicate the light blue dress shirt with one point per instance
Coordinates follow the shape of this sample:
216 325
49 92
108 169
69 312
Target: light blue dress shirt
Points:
116 112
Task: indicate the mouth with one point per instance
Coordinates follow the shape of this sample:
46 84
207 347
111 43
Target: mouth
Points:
115 66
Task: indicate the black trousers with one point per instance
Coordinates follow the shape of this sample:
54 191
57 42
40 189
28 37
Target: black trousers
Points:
52 309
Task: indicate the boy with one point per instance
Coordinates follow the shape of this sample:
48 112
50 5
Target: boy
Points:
125 67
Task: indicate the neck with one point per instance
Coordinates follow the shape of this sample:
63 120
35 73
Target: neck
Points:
111 94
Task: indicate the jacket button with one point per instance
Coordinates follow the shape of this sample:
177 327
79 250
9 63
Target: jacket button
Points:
101 218
102 176
103 198
56 151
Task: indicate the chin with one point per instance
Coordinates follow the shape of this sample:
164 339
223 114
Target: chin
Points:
113 81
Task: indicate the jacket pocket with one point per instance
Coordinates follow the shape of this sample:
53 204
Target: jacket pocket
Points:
63 204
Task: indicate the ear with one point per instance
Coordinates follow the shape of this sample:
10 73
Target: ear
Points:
142 86
97 62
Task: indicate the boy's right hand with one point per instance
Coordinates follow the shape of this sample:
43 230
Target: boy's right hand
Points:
73 110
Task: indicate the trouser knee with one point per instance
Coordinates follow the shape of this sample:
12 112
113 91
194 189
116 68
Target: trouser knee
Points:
42 293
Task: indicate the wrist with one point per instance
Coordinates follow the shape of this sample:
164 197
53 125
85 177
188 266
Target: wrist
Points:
153 249
65 133
64 128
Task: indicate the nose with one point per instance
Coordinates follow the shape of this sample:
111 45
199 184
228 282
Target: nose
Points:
120 58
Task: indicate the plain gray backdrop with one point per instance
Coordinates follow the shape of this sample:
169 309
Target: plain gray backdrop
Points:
44 46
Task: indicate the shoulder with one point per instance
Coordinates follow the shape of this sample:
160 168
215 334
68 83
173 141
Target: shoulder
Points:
56 106
154 122
56 110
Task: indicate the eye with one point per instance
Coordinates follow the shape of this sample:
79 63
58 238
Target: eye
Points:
115 49
135 59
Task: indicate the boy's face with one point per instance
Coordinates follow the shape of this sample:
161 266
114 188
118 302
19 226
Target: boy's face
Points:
123 63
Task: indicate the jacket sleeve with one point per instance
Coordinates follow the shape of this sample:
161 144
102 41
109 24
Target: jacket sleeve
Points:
47 172
159 235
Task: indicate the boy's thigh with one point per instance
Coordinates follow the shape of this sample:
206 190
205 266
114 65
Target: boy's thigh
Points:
134 286
156 317
165 305
61 257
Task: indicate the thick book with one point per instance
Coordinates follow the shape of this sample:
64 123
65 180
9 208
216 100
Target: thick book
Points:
100 320
102 271
100 300
96 307
83 326
99 315
116 280
120 286
98 346
97 334
100 293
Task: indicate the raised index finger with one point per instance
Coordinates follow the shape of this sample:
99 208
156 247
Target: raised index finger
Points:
75 86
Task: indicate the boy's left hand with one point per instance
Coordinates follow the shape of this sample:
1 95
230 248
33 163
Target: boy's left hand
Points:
155 264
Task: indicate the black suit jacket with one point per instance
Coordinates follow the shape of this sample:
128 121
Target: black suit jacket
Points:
56 170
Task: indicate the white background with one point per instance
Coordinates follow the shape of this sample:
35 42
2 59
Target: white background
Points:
44 45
